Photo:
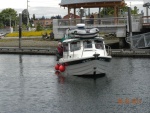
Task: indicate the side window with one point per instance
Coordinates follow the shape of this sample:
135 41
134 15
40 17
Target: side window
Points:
99 44
74 46
87 44
65 47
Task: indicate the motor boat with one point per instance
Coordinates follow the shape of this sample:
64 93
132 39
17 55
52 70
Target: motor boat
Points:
84 52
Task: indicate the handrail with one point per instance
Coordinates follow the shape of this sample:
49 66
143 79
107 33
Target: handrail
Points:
97 21
140 40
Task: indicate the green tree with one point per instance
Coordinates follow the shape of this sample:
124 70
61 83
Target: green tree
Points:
6 15
135 10
107 11
25 14
110 10
1 21
39 27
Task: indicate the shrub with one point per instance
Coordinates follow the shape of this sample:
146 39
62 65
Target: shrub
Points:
28 33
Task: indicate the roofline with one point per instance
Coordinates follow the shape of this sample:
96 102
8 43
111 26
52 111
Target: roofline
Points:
95 4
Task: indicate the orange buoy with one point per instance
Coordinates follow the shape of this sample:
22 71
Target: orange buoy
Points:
57 66
62 68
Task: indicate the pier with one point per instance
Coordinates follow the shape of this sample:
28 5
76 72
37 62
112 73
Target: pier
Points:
43 51
29 51
144 53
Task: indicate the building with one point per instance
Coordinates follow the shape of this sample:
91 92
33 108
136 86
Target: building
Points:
74 4
43 22
72 16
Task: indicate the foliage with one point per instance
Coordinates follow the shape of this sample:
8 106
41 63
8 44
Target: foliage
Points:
39 27
51 26
33 16
25 14
110 10
6 15
56 17
107 11
28 33
135 10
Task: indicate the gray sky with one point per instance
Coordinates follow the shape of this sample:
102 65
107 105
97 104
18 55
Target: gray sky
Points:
50 8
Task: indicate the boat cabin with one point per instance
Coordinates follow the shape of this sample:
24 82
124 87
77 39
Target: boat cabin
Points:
78 48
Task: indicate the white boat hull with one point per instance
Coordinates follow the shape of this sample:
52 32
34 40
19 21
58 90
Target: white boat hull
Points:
92 67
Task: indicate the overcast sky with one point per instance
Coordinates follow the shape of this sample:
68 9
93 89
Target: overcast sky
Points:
50 7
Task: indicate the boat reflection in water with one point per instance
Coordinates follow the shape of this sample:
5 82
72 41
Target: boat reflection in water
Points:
61 78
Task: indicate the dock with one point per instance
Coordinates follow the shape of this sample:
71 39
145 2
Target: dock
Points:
27 50
142 53
51 51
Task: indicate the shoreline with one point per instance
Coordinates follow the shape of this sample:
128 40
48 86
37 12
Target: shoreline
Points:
37 42
37 45
27 42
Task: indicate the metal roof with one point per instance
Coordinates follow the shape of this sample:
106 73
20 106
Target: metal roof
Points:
67 2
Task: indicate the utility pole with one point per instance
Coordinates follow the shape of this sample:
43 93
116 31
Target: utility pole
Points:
81 14
130 4
130 26
10 21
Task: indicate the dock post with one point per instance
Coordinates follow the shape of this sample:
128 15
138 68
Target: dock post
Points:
20 29
81 14
130 26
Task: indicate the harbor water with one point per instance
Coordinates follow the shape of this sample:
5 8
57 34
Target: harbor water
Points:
28 84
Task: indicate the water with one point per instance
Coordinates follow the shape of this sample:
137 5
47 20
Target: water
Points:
28 85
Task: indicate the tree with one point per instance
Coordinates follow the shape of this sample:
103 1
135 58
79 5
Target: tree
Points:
25 15
43 18
56 17
39 27
33 16
6 15
135 10
1 21
110 10
107 11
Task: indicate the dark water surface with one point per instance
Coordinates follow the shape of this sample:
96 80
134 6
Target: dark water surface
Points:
28 85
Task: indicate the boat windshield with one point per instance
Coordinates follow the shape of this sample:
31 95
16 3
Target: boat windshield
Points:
74 46
98 44
87 44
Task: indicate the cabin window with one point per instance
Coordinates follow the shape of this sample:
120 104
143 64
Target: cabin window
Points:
65 47
99 44
87 44
74 46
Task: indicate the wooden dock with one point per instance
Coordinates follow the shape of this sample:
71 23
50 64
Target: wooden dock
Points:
26 50
131 53
51 51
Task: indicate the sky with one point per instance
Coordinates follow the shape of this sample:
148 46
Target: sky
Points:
50 8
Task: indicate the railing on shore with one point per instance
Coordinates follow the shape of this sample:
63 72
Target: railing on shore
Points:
146 20
95 21
140 41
